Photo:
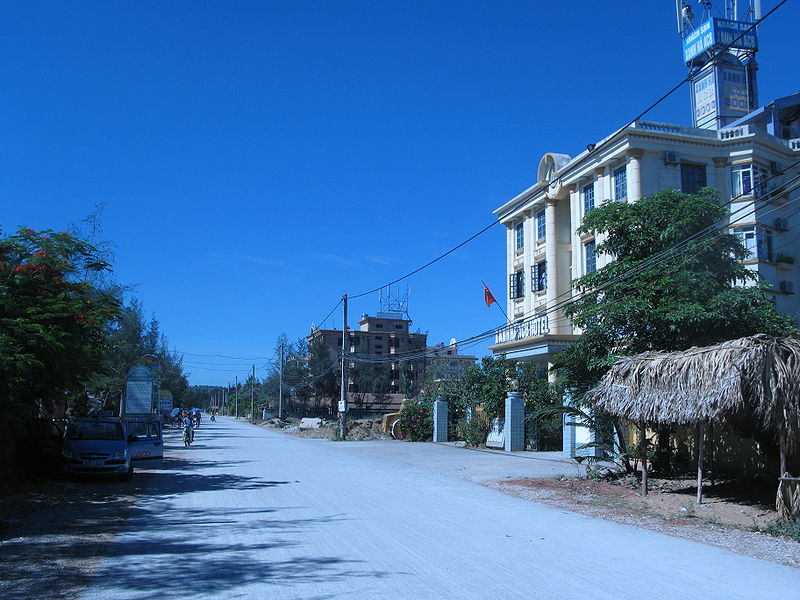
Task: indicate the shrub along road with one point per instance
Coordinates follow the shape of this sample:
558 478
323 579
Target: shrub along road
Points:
247 512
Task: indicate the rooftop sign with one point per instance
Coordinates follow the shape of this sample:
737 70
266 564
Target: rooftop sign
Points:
719 32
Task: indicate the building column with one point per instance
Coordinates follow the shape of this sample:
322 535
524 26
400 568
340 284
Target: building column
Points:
439 420
635 174
551 256
510 253
721 175
514 423
527 258
600 176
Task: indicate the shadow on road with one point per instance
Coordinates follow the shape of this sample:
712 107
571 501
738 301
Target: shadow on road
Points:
55 549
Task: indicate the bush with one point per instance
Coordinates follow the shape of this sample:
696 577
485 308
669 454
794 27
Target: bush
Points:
416 420
474 431
785 528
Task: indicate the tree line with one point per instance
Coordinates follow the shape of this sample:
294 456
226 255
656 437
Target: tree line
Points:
68 332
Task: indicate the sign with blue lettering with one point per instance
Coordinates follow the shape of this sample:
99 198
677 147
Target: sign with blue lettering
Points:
719 32
700 40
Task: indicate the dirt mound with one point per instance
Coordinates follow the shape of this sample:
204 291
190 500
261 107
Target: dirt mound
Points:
357 430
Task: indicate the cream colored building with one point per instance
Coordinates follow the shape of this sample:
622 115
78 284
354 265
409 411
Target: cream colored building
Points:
753 161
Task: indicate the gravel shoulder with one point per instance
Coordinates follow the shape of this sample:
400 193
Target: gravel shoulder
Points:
672 511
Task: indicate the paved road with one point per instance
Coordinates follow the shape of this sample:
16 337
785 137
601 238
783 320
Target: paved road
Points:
251 513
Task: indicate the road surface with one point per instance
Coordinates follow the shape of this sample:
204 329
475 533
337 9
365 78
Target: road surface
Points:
248 512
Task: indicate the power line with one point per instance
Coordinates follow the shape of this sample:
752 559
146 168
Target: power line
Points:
631 272
251 358
427 264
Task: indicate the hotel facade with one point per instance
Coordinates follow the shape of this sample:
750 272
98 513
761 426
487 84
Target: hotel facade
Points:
752 162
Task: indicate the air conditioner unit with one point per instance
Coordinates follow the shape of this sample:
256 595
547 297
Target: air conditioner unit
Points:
781 224
787 287
774 168
671 158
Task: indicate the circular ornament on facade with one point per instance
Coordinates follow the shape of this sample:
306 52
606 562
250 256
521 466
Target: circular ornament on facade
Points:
550 164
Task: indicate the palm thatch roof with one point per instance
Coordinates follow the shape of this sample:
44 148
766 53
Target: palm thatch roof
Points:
751 383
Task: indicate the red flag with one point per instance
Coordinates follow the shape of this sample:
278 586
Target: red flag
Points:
487 295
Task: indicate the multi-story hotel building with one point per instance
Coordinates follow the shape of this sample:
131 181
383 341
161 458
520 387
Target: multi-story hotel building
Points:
749 162
750 155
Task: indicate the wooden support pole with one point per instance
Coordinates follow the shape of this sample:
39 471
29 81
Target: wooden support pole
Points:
782 450
643 455
700 444
711 448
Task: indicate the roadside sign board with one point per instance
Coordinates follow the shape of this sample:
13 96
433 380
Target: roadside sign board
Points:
138 392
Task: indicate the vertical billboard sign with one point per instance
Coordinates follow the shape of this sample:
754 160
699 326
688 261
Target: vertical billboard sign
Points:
138 397
733 93
152 363
704 99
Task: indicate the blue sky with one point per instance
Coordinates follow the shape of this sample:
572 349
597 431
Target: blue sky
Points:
260 159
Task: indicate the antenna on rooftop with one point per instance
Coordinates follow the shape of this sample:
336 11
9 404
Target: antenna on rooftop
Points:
394 302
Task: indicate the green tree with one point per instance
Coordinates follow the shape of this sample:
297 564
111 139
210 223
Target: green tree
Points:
690 297
488 383
693 296
52 324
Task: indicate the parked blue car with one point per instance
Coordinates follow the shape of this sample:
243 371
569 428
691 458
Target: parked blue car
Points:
111 446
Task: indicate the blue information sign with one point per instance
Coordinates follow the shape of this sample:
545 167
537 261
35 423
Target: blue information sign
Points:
720 32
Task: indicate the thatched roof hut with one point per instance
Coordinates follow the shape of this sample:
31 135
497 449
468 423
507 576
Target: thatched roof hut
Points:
750 384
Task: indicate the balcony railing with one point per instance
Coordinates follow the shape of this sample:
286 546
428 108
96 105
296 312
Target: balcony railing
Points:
527 329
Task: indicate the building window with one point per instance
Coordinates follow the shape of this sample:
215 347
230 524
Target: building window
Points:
516 285
398 325
747 180
590 256
378 325
541 225
620 183
539 276
520 230
747 235
766 246
588 198
693 178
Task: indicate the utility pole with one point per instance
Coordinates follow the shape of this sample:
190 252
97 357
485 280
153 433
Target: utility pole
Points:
253 396
236 396
280 387
343 389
